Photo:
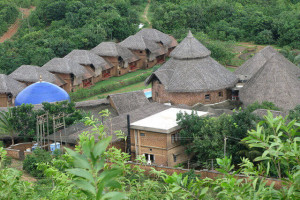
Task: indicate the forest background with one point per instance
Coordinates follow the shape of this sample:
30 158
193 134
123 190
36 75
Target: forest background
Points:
56 27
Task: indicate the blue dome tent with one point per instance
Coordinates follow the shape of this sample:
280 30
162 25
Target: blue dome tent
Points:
40 92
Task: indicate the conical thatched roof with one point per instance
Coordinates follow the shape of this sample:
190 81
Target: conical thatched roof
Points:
190 48
273 82
136 42
112 49
155 35
32 74
9 85
191 69
65 66
252 65
85 57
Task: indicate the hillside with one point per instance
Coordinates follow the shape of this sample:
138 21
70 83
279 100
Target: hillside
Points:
57 26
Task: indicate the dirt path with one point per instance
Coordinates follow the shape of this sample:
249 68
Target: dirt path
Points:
14 27
17 164
145 15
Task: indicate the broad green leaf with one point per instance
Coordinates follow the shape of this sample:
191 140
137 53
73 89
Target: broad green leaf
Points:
81 173
114 196
101 146
85 186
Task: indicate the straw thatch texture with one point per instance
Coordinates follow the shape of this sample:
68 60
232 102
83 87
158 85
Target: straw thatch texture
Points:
32 74
65 66
252 65
138 42
9 85
273 82
112 49
155 35
192 70
85 57
190 48
125 102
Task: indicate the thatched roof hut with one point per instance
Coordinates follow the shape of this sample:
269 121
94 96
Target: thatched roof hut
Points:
9 85
252 65
85 57
273 82
32 74
67 66
191 69
125 102
156 36
138 42
112 49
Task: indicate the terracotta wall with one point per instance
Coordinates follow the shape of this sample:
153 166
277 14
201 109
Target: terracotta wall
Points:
3 100
115 62
160 95
142 63
67 78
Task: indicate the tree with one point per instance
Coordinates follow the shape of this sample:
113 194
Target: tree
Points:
6 126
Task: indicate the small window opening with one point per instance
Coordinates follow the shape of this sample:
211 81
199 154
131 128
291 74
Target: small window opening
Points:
220 94
141 51
174 158
207 97
142 134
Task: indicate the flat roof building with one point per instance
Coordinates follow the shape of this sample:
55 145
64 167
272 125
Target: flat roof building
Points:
157 137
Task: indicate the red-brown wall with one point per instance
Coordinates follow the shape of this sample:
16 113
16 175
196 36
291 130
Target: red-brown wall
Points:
159 94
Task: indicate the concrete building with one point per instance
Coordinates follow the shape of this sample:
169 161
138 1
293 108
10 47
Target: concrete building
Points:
157 137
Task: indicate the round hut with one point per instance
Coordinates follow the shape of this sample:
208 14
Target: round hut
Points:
191 76
40 92
273 82
252 65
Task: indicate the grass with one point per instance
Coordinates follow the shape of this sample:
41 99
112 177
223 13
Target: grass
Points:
121 78
129 88
231 69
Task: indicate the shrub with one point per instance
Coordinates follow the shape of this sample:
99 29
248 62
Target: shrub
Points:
31 161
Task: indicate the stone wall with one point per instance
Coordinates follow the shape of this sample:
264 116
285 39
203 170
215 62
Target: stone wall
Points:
159 94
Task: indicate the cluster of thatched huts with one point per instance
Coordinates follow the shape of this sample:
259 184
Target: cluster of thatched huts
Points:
191 76
83 68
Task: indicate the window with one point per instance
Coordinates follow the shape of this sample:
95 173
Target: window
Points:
207 97
119 72
142 134
141 51
174 157
220 94
173 138
149 158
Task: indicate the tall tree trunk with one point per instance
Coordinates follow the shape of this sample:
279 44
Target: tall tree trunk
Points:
12 140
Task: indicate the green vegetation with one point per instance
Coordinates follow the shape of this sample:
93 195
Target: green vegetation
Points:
22 118
57 27
114 83
129 88
8 14
84 174
264 22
